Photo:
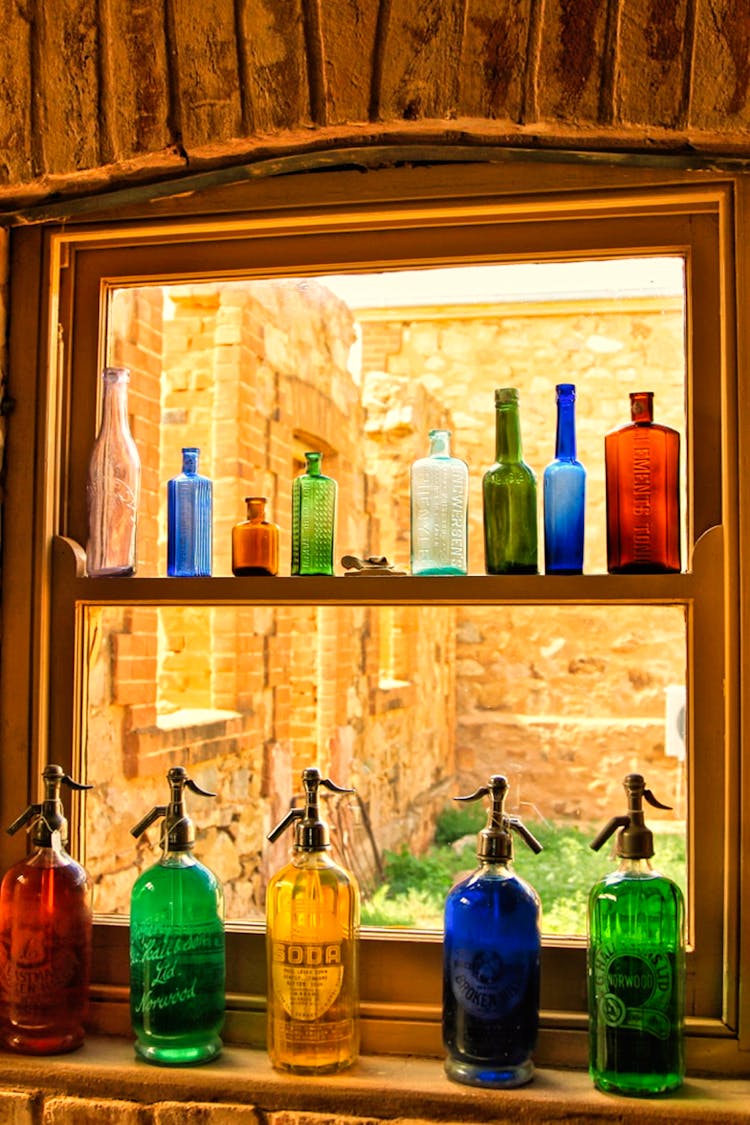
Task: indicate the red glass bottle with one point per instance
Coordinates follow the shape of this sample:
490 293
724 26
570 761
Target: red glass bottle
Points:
642 464
45 935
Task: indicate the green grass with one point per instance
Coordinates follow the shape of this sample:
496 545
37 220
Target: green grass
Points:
413 894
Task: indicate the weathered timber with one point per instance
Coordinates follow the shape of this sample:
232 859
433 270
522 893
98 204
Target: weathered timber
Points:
422 51
495 58
206 71
273 64
349 36
654 61
575 60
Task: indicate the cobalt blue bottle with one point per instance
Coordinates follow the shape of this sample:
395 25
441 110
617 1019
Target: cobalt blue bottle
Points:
564 493
491 955
189 514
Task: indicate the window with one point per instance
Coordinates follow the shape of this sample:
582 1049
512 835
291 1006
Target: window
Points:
95 281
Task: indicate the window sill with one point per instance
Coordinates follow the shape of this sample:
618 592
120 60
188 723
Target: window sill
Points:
383 1087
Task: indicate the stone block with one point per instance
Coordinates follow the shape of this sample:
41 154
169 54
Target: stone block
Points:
93 1111
18 1107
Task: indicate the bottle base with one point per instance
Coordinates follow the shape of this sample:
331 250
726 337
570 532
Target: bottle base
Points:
41 1044
489 1075
638 1085
187 1055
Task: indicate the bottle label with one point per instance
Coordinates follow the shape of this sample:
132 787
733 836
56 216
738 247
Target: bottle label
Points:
171 969
307 976
487 983
634 990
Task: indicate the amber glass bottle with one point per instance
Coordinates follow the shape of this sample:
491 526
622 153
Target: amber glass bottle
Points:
255 541
642 463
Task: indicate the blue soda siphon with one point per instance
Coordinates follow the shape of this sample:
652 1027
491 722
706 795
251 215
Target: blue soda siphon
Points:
177 958
491 958
439 510
189 518
636 963
564 491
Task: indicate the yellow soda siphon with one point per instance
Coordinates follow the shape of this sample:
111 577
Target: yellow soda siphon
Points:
312 937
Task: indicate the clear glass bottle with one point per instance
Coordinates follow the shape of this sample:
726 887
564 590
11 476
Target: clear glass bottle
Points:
439 510
509 496
636 963
177 958
642 467
564 491
114 484
312 945
491 959
45 934
189 520
313 519
255 541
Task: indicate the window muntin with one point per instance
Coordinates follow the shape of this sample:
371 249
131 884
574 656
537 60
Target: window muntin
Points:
575 228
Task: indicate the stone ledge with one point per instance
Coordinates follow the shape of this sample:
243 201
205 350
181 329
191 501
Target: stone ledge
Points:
377 1088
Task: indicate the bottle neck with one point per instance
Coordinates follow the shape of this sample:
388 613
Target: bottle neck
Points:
642 407
115 400
507 432
635 867
190 461
565 441
440 443
313 464
256 509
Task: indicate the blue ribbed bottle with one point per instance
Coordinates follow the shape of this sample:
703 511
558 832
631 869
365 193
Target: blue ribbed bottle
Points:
439 510
564 493
189 516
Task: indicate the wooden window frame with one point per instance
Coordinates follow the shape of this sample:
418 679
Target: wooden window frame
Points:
334 222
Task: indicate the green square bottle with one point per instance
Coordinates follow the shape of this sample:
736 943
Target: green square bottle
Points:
636 963
313 519
509 496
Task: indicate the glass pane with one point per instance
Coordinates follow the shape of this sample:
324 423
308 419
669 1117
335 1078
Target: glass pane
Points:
362 367
412 706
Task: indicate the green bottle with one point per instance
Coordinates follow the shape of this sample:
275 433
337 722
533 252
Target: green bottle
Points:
509 496
177 944
313 519
636 963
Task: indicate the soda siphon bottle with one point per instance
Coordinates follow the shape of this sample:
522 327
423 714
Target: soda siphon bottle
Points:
439 510
313 519
636 963
509 496
189 517
45 934
564 493
491 958
312 937
177 960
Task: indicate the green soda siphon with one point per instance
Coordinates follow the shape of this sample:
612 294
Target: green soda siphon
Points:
177 958
636 963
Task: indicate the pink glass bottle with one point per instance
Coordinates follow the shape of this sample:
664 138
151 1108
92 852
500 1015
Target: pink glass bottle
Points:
45 935
114 483
642 465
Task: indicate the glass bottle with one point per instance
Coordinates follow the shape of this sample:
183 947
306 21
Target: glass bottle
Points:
114 484
642 466
509 495
491 959
564 489
312 938
439 510
255 541
189 518
177 959
45 934
636 963
313 519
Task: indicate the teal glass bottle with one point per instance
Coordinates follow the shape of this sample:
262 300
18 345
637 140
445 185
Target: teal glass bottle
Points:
636 963
564 491
439 497
509 496
313 519
491 958
189 519
177 958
